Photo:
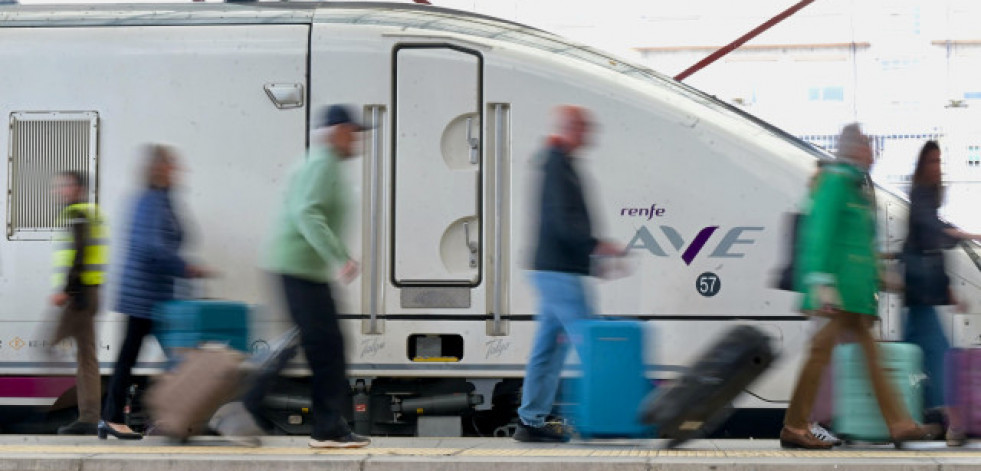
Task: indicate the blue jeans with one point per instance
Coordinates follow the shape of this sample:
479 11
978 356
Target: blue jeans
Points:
922 327
563 303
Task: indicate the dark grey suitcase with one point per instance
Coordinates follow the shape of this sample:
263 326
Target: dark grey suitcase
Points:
698 402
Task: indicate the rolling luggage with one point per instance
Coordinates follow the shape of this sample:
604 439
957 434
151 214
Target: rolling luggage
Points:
182 401
613 383
270 362
857 415
699 401
234 422
263 369
196 394
824 411
963 388
189 323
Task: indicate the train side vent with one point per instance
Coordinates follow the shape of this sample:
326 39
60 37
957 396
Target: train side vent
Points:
41 145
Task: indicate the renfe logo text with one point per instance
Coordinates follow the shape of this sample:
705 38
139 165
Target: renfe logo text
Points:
641 212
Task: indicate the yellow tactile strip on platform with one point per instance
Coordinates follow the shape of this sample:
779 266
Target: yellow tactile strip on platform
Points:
215 450
559 452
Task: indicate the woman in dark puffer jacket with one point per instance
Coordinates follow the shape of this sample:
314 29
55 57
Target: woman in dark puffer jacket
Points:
152 264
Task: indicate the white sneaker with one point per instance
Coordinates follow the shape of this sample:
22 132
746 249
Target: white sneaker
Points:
351 440
824 435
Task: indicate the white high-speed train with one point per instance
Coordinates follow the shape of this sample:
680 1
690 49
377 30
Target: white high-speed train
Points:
444 212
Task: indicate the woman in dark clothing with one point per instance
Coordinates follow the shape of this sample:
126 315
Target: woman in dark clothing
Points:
927 284
152 264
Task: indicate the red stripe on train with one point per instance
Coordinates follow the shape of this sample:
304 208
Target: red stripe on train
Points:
36 386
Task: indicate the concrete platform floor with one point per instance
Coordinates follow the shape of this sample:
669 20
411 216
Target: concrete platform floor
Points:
53 453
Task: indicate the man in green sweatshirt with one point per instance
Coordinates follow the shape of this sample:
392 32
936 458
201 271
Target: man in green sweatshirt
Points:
306 247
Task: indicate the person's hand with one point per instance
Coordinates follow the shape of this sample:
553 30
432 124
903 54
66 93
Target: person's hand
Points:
59 299
198 271
891 282
349 272
960 306
828 298
604 247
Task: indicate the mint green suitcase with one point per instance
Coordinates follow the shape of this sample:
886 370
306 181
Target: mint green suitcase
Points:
856 411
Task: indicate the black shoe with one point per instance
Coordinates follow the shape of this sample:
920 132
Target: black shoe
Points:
956 438
104 430
78 428
351 440
916 433
551 433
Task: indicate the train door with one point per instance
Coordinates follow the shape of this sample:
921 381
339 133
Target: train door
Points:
436 201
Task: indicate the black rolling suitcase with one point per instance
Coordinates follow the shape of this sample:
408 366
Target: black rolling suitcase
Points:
699 401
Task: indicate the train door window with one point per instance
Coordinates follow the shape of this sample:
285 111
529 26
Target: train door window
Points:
41 145
437 163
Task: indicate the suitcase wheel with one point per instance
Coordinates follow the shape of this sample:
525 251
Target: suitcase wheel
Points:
674 443
179 440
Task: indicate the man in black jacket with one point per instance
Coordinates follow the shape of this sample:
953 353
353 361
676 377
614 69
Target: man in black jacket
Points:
562 259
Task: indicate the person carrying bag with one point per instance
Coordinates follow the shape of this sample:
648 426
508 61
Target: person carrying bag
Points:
926 282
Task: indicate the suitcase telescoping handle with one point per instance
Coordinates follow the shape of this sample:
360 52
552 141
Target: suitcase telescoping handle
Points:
191 288
266 365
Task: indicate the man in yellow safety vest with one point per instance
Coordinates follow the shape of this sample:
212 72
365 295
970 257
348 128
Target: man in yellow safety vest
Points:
80 262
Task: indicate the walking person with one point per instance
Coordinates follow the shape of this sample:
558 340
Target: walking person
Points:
926 281
837 269
820 412
152 265
80 266
562 260
306 247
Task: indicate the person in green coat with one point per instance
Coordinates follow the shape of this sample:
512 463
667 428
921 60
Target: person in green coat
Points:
837 271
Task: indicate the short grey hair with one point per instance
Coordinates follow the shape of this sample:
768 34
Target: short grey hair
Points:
851 141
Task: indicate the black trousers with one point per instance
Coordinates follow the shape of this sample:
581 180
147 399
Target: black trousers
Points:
136 329
312 308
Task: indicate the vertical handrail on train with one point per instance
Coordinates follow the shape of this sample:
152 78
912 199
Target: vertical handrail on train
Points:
374 228
497 328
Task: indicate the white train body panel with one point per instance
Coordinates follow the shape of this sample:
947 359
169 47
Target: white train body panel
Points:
443 222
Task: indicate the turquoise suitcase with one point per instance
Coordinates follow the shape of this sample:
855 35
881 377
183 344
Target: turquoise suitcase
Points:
189 323
613 382
856 410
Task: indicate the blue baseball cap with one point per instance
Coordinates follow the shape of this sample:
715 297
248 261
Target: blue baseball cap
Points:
339 114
